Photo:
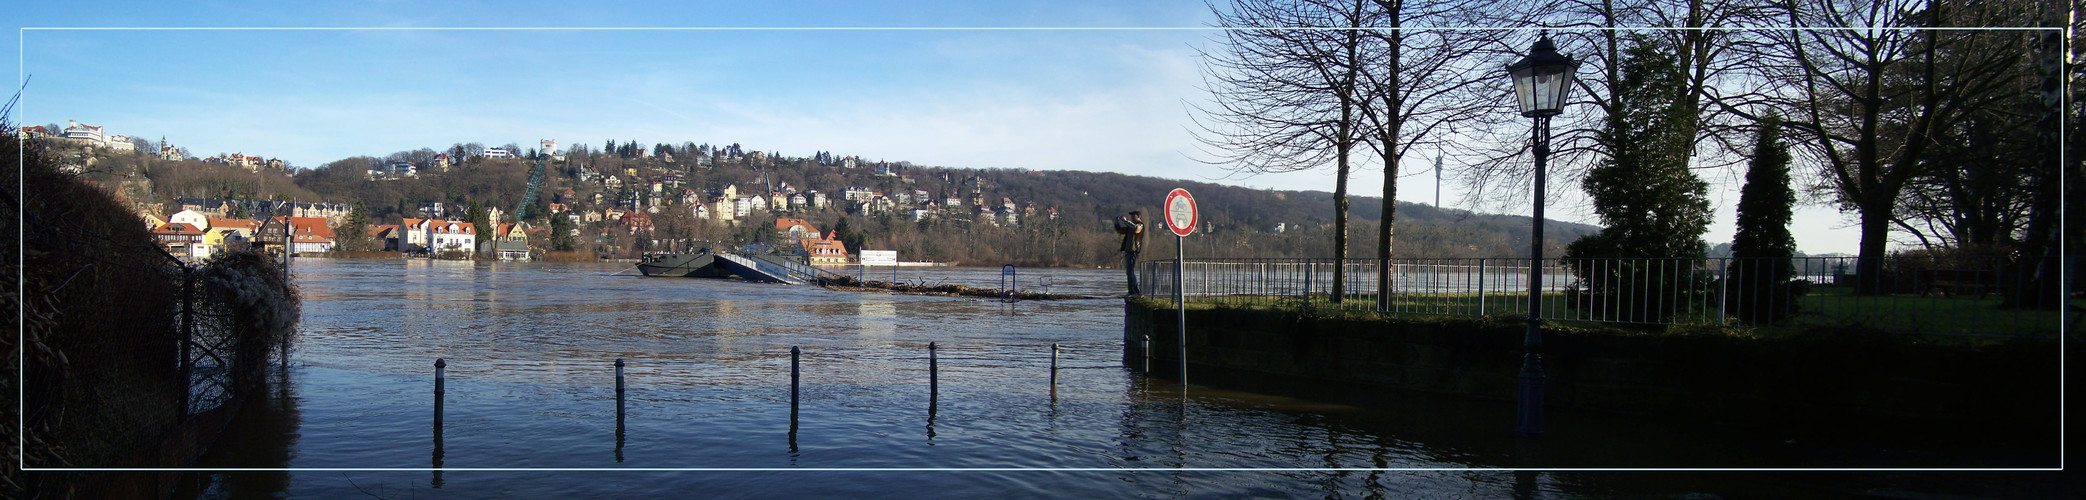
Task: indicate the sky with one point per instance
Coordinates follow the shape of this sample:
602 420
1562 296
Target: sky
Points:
1044 85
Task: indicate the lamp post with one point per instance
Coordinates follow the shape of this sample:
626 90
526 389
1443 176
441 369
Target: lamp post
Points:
1542 80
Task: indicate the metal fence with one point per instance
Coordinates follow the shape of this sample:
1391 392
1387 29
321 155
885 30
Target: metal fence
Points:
1950 296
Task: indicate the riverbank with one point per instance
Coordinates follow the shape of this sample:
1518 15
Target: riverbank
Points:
1819 383
853 284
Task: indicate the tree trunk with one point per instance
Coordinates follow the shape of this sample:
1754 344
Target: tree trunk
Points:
1868 264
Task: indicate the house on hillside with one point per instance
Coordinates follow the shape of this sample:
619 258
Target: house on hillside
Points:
91 135
152 220
795 228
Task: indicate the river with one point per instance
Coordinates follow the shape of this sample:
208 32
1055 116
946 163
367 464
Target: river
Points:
530 411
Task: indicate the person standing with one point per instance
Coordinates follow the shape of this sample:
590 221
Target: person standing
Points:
1131 226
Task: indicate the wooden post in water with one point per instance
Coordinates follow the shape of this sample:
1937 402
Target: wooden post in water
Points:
1146 348
619 410
793 379
440 364
934 377
1053 369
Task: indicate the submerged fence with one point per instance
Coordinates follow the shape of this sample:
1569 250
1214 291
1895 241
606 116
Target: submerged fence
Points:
1925 295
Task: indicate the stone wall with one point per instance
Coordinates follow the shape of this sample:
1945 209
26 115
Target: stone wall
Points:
1822 381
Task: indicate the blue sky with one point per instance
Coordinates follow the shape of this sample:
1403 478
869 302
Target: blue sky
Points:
1104 95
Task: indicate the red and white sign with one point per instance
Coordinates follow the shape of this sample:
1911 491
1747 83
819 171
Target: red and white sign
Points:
1181 215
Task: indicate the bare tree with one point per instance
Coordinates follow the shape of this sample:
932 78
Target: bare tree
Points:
1707 45
1868 99
1286 90
1419 90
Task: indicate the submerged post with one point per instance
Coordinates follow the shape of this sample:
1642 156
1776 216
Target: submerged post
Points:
793 379
619 392
1053 368
440 364
1146 348
1180 301
934 379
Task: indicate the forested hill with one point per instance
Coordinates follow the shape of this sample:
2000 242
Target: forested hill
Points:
1423 231
1238 221
1241 222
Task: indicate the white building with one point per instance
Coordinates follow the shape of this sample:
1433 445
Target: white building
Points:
499 152
90 133
121 143
190 217
452 236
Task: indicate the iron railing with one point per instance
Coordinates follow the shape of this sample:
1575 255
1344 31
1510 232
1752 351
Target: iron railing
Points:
1949 296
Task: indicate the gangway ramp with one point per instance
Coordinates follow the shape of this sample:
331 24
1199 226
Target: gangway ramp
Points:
799 270
756 269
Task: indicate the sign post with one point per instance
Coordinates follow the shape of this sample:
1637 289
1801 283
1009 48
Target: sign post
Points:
880 258
1181 217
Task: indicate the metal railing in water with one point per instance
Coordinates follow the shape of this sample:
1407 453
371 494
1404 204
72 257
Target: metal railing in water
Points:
1949 296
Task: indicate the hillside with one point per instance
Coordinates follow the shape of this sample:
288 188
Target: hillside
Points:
1239 222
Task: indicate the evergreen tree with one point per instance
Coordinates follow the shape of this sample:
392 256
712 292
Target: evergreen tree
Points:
480 220
352 235
560 233
1761 251
1653 207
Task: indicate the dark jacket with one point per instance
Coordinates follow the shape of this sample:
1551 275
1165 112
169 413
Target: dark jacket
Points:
1133 234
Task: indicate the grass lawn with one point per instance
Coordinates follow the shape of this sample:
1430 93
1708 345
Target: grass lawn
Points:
1824 306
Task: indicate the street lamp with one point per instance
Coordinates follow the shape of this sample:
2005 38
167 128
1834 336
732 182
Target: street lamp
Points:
1542 81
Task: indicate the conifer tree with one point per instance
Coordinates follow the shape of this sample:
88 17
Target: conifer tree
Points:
1653 207
1762 249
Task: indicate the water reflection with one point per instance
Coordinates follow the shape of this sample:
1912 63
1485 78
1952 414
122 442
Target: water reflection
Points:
265 433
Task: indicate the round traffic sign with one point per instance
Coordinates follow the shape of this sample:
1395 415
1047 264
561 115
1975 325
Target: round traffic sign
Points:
1181 215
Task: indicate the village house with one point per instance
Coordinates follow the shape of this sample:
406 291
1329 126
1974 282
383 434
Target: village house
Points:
413 235
450 236
152 220
190 217
182 240
387 235
510 242
825 249
217 230
795 229
35 132
724 209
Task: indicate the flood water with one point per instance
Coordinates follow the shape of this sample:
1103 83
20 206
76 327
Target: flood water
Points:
529 408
